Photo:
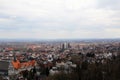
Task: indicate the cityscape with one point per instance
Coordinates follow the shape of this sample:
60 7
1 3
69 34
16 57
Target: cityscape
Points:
60 60
59 39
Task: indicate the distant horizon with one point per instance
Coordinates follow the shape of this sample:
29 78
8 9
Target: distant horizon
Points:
60 39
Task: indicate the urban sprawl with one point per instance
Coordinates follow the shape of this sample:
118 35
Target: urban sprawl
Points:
60 60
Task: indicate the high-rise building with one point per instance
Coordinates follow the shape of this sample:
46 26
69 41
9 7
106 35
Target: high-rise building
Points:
65 45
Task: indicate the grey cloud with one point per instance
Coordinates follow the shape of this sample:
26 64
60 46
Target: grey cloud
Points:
109 4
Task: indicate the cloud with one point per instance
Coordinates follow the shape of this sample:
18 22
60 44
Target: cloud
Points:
109 4
59 18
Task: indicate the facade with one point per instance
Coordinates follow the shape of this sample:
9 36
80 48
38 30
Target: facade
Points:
4 68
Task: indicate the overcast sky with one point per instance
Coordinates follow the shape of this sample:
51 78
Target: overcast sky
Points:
59 19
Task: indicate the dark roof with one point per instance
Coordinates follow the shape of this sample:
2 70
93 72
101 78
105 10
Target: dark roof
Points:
4 65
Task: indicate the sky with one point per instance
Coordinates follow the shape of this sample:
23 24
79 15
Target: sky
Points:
59 19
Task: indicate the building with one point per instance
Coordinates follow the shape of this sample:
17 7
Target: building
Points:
4 68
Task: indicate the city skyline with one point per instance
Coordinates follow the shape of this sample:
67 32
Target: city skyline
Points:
59 19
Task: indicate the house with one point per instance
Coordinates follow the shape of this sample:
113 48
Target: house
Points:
12 67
